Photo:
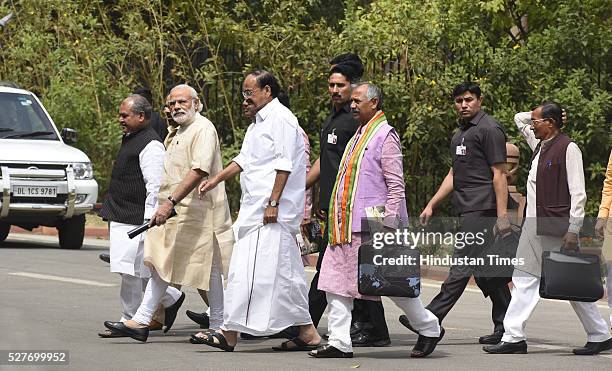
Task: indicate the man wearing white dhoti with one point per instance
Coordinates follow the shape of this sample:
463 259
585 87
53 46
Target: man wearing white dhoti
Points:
266 290
555 188
130 200
190 248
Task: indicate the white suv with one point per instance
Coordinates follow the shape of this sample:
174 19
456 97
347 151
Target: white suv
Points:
43 181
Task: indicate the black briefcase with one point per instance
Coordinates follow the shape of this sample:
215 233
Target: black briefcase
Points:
391 271
571 276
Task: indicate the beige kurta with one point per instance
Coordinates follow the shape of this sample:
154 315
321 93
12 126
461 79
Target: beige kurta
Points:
181 250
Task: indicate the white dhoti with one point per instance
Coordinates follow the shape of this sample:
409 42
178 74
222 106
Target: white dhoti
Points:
266 290
126 258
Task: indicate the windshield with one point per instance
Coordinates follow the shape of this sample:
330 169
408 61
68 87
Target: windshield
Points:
21 117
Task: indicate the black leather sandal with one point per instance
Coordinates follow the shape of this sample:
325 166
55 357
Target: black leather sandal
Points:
300 346
220 343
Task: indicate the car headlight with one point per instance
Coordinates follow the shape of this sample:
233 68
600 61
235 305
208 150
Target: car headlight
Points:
82 170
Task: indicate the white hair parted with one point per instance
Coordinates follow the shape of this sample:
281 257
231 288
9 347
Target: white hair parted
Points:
192 92
372 92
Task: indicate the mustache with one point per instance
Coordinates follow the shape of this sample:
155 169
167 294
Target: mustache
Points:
336 95
354 111
180 111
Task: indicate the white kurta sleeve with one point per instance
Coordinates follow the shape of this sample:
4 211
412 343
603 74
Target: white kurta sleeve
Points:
575 183
152 166
241 159
285 136
523 123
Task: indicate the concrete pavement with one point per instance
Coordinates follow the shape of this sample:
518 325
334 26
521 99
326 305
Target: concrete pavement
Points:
58 299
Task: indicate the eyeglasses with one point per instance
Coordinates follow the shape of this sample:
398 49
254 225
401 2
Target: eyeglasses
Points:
180 102
247 93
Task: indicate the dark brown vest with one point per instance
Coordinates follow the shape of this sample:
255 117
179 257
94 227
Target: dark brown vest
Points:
552 192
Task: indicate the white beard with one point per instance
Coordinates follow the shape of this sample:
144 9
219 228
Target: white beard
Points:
185 118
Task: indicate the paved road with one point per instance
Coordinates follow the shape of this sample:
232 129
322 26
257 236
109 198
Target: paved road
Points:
58 299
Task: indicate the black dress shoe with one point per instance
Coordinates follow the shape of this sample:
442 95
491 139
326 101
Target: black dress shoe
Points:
404 321
328 351
358 327
140 334
104 257
507 348
245 336
425 345
171 312
201 319
591 348
492 339
288 333
367 340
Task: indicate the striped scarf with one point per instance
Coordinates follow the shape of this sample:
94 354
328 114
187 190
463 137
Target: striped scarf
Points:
340 228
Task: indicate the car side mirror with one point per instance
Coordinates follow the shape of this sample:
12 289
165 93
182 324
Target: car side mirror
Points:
69 135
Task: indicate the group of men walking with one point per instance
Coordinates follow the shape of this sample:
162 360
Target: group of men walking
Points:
360 167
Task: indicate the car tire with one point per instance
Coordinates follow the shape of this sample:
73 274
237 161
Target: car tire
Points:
4 231
71 232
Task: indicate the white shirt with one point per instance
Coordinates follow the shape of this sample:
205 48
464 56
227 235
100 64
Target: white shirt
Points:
574 168
151 160
273 142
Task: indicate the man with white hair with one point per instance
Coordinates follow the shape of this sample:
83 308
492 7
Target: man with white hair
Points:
188 249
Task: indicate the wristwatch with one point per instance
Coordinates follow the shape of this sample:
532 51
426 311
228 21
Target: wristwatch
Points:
174 202
273 203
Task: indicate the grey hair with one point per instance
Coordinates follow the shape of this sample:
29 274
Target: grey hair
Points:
372 92
140 104
192 92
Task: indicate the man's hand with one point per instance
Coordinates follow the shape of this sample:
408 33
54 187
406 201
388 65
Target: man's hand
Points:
162 213
206 186
270 214
600 227
570 242
503 227
426 215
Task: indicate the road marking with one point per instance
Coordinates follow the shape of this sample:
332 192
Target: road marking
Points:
62 279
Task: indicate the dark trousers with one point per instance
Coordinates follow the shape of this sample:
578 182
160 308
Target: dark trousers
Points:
373 313
317 301
459 276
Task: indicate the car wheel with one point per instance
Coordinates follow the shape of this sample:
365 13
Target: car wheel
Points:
4 231
71 232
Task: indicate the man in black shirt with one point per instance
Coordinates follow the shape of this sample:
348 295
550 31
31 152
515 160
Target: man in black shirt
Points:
369 326
157 123
477 181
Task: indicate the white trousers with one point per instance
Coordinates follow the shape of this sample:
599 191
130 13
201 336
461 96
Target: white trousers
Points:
525 297
159 291
339 319
130 294
215 292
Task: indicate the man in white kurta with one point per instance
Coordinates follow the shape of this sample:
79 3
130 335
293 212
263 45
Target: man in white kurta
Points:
266 290
526 277
189 248
122 205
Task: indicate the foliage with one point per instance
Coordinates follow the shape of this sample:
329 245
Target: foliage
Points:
82 57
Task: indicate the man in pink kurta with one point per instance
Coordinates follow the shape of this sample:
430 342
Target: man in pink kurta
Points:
379 181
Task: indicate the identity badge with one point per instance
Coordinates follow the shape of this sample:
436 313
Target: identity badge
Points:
461 150
332 138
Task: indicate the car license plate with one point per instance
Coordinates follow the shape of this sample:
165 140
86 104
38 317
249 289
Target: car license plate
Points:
34 191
